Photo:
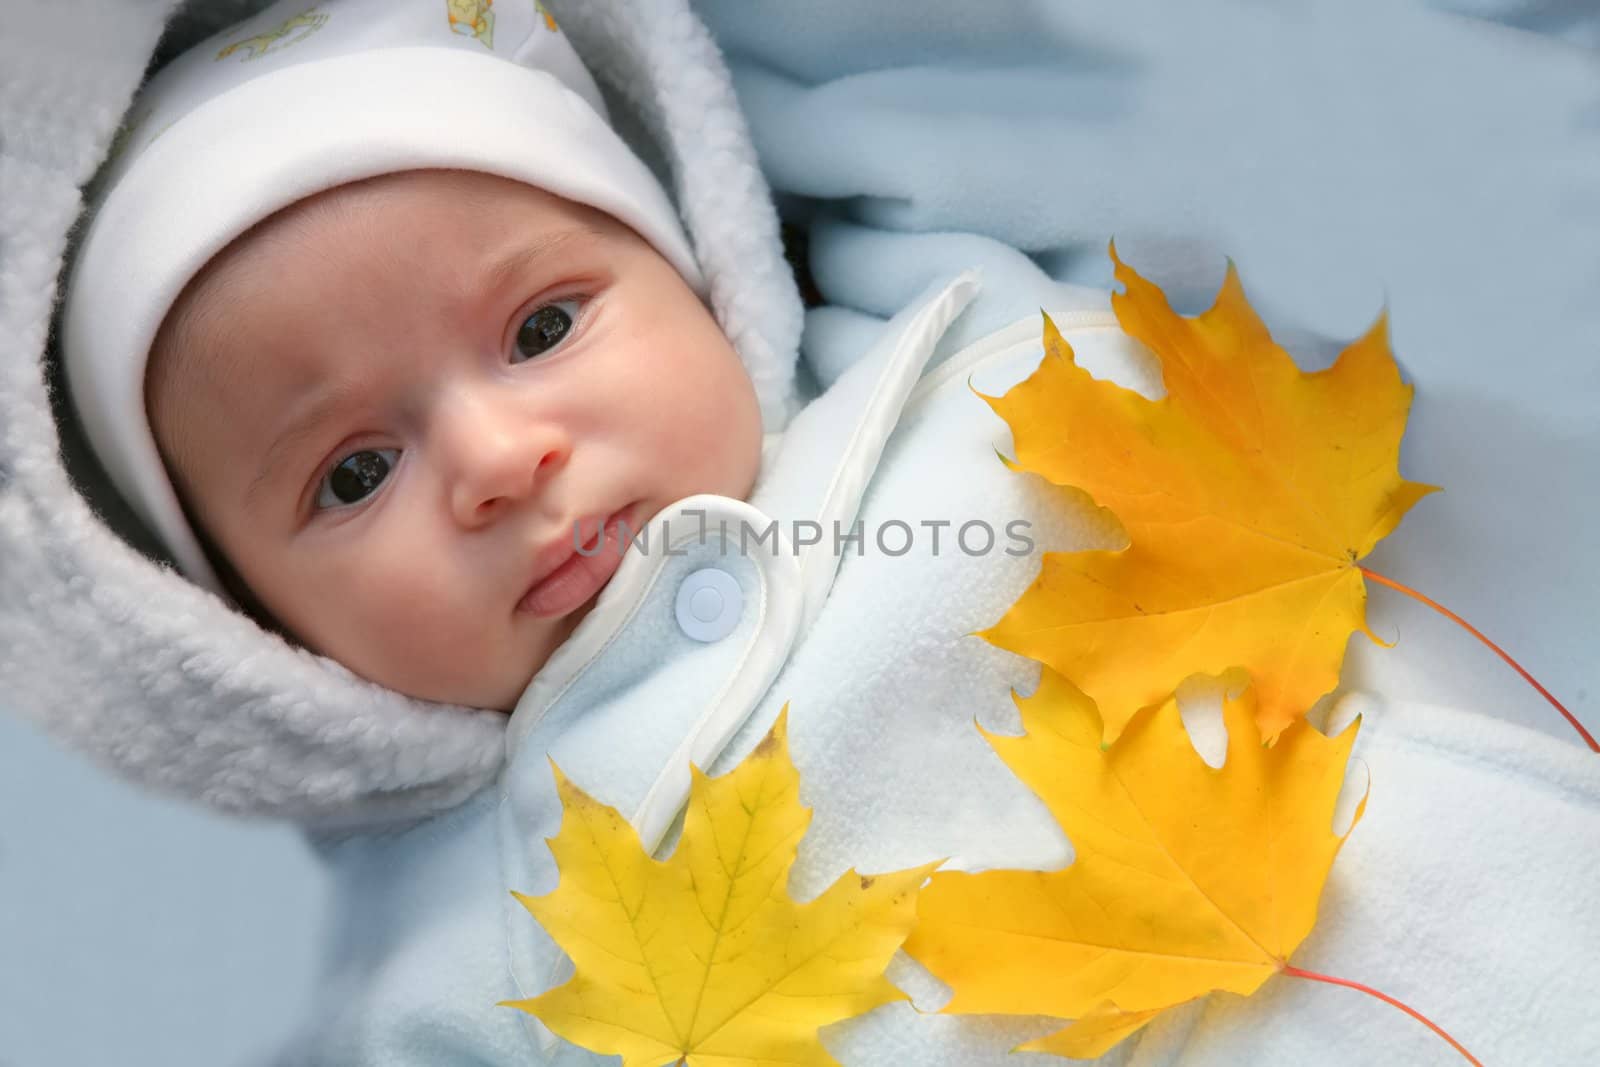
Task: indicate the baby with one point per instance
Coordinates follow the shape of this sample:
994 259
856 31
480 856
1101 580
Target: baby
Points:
394 410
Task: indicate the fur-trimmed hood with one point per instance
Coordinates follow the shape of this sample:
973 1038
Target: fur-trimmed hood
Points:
117 655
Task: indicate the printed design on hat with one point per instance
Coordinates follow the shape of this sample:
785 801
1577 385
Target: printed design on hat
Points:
474 18
291 31
123 143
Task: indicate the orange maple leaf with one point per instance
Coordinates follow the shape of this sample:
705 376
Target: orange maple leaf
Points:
1249 492
1185 879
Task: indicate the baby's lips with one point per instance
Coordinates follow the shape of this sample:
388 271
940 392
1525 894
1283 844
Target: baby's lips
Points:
581 575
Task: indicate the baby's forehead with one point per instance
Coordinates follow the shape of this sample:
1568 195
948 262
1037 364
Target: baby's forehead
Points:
342 222
369 212
198 339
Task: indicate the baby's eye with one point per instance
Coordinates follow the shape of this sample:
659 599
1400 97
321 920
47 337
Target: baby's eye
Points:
546 328
356 477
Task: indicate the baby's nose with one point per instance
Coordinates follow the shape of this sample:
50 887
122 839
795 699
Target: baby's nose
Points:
502 458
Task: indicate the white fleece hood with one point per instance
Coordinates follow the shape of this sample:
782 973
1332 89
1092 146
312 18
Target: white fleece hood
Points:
124 659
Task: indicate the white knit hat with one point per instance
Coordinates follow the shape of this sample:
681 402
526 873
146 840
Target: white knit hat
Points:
301 98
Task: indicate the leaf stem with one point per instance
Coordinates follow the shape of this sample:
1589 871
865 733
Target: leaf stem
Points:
1295 972
1475 632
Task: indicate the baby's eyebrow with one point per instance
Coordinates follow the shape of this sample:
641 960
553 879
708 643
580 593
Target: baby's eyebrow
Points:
510 265
337 394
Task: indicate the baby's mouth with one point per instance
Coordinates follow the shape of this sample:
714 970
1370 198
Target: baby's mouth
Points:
583 573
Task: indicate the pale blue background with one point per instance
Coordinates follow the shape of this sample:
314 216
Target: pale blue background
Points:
141 933
138 932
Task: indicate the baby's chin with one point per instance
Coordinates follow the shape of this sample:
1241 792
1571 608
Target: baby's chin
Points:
517 688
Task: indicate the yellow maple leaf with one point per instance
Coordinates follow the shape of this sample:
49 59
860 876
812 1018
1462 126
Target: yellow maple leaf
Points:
703 957
1249 492
1185 879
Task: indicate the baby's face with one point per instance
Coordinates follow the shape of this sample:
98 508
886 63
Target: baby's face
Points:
390 404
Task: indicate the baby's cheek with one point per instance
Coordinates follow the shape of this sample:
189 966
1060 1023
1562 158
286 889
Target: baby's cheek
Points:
717 405
393 598
425 639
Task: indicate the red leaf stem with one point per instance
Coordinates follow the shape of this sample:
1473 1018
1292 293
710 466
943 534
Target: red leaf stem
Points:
1295 972
1447 613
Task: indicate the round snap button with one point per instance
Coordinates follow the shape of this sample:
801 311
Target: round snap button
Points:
708 604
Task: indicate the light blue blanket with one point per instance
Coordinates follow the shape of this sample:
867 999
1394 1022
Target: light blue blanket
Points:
1351 158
